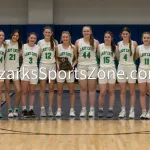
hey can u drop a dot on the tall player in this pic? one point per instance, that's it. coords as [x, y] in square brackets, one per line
[106, 52]
[13, 49]
[126, 51]
[87, 69]
[2, 55]
[143, 52]
[47, 65]
[66, 50]
[29, 73]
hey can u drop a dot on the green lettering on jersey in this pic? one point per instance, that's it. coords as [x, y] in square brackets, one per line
[1, 59]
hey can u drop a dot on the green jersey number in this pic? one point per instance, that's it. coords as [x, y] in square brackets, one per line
[125, 57]
[12, 57]
[1, 59]
[30, 60]
[48, 55]
[147, 62]
[106, 60]
[86, 55]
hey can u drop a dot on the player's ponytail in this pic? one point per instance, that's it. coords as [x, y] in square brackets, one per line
[20, 43]
[130, 47]
[113, 46]
[92, 40]
[52, 40]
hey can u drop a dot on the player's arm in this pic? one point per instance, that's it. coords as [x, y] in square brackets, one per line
[117, 52]
[136, 53]
[75, 57]
[56, 57]
[76, 47]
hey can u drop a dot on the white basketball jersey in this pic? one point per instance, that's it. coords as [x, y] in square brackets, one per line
[47, 53]
[124, 54]
[144, 54]
[30, 55]
[2, 55]
[12, 56]
[87, 54]
[106, 56]
[62, 52]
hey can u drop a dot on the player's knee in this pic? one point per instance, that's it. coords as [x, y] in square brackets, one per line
[42, 90]
[59, 92]
[123, 92]
[51, 90]
[0, 92]
[7, 89]
[111, 93]
[32, 92]
[102, 94]
[83, 89]
[71, 92]
[132, 93]
[143, 93]
[24, 92]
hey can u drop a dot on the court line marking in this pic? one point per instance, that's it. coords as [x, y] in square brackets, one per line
[49, 134]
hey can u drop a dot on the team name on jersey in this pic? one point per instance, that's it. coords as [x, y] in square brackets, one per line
[12, 50]
[124, 50]
[145, 54]
[65, 54]
[106, 53]
[30, 53]
[47, 49]
[2, 53]
[87, 48]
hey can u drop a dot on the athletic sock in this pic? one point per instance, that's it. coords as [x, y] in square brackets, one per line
[123, 109]
[110, 108]
[132, 109]
[24, 107]
[31, 107]
[101, 108]
[84, 108]
[91, 108]
[71, 109]
[59, 109]
[42, 107]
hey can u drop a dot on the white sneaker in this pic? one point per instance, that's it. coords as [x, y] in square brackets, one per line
[91, 113]
[58, 113]
[10, 114]
[83, 113]
[15, 113]
[72, 113]
[122, 114]
[132, 114]
[50, 113]
[143, 116]
[43, 113]
[148, 115]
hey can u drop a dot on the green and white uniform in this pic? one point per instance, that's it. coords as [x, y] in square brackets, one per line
[47, 62]
[107, 71]
[30, 57]
[65, 75]
[126, 66]
[11, 60]
[87, 64]
[144, 67]
[2, 59]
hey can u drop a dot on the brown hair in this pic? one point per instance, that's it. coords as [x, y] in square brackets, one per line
[91, 37]
[4, 44]
[52, 40]
[20, 43]
[130, 42]
[67, 32]
[113, 46]
[145, 33]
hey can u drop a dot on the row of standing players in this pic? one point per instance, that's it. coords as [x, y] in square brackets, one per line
[83, 53]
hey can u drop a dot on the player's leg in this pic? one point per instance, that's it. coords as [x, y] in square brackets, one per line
[148, 113]
[1, 87]
[25, 89]
[17, 97]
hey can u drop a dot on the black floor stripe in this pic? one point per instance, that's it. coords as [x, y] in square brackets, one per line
[49, 134]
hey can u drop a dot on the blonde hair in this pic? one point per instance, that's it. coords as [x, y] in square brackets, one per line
[67, 32]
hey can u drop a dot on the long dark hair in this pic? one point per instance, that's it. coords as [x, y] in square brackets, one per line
[52, 40]
[113, 46]
[91, 36]
[130, 44]
[20, 43]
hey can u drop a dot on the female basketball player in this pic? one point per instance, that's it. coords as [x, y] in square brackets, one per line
[87, 69]
[2, 55]
[107, 72]
[66, 49]
[47, 65]
[30, 54]
[143, 52]
[14, 47]
[126, 51]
